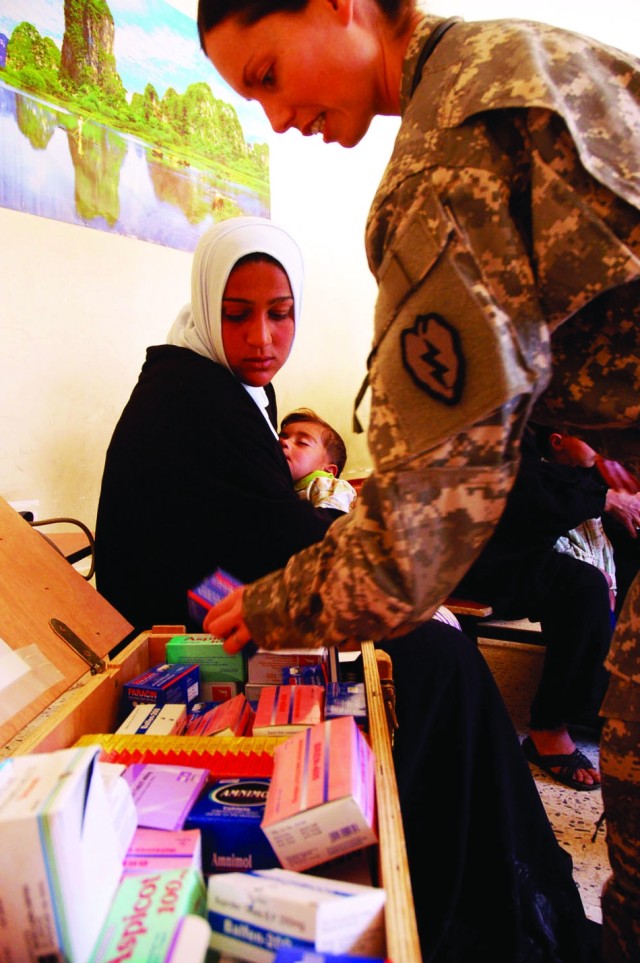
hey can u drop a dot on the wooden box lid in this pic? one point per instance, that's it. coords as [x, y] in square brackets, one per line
[38, 584]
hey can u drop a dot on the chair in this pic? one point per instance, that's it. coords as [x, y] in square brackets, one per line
[73, 545]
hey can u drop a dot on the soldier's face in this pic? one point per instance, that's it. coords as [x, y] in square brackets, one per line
[316, 70]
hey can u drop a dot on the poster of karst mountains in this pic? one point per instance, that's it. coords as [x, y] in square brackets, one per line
[112, 118]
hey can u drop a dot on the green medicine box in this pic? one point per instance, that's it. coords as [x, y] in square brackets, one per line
[206, 650]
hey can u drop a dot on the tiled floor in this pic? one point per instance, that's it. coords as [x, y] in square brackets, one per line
[516, 668]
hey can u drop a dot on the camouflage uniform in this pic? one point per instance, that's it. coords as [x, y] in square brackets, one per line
[505, 239]
[510, 205]
[620, 764]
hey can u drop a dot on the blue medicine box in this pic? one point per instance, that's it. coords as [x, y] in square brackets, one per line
[164, 683]
[228, 816]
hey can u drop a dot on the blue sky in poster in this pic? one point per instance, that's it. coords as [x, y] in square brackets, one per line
[154, 43]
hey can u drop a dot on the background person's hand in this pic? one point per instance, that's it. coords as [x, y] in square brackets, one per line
[225, 621]
[625, 508]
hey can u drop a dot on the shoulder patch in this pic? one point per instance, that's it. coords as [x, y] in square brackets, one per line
[432, 354]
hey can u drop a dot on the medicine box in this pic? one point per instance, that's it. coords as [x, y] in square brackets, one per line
[228, 817]
[346, 699]
[265, 666]
[208, 653]
[321, 802]
[145, 916]
[164, 794]
[231, 718]
[219, 691]
[154, 850]
[251, 915]
[164, 683]
[285, 709]
[154, 720]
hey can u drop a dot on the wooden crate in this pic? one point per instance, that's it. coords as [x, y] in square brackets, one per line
[43, 585]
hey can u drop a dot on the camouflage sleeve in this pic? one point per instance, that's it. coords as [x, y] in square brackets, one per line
[461, 353]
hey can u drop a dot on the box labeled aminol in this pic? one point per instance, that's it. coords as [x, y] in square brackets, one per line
[252, 915]
[284, 709]
[153, 720]
[228, 816]
[146, 914]
[265, 666]
[321, 802]
[164, 683]
[231, 718]
[207, 651]
[346, 699]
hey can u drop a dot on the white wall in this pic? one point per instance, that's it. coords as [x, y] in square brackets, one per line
[79, 306]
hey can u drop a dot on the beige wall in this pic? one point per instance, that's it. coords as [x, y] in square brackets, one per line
[79, 307]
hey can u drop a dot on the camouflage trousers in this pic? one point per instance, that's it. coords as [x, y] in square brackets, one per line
[620, 768]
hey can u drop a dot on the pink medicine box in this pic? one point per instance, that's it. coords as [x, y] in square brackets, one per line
[321, 801]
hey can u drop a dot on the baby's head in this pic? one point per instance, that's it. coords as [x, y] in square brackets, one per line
[563, 448]
[310, 444]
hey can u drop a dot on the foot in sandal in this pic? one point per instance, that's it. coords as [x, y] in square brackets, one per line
[554, 751]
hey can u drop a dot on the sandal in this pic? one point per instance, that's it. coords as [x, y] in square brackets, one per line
[566, 763]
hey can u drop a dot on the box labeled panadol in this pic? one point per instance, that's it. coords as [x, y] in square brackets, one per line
[321, 801]
[164, 683]
[252, 915]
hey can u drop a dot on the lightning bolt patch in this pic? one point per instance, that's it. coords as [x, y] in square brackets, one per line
[432, 354]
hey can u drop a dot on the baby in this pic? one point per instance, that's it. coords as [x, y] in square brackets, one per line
[316, 455]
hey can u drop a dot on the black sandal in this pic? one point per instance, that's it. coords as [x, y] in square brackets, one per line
[566, 763]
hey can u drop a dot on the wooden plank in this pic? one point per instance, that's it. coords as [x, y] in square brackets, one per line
[403, 945]
[39, 584]
[467, 607]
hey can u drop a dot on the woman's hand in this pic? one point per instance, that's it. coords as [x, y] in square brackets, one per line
[225, 621]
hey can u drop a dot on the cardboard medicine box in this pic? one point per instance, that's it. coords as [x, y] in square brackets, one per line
[208, 653]
[321, 802]
[147, 913]
[265, 666]
[228, 816]
[164, 683]
[285, 709]
[252, 914]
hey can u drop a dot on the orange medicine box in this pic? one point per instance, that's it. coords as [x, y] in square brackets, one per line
[286, 709]
[321, 801]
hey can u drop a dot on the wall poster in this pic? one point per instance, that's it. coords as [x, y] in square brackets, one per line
[111, 117]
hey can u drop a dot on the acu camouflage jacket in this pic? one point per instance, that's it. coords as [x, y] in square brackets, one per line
[505, 240]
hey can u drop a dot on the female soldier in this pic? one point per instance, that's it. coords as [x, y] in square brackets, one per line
[505, 239]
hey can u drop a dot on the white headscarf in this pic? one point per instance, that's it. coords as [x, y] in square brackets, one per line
[199, 325]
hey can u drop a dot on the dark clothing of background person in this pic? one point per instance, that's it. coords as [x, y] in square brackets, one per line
[193, 479]
[520, 575]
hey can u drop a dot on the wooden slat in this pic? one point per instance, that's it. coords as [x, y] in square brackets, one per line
[467, 607]
[403, 945]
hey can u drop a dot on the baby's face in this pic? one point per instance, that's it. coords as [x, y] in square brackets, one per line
[303, 448]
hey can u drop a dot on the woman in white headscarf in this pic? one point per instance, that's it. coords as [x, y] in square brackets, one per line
[194, 476]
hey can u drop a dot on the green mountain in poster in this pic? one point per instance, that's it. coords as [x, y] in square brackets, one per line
[193, 127]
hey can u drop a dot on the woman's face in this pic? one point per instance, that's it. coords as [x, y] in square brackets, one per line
[315, 70]
[258, 321]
